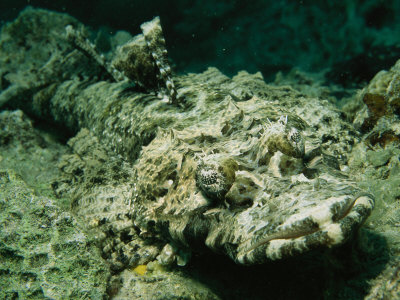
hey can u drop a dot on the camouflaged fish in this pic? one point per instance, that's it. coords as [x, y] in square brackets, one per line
[229, 165]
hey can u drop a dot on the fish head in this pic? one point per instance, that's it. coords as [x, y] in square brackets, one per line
[237, 186]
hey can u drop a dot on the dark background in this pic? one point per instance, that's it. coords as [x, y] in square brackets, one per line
[351, 40]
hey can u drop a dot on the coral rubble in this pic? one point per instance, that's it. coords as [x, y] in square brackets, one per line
[44, 250]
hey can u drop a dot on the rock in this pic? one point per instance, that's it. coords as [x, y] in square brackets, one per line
[44, 251]
[161, 285]
[379, 158]
[386, 285]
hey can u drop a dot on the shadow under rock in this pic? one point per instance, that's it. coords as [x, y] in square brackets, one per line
[340, 273]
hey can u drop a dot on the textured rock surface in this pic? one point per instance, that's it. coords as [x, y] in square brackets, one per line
[161, 285]
[22, 56]
[30, 152]
[376, 161]
[387, 285]
[44, 251]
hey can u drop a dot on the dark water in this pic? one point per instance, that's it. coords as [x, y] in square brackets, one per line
[352, 40]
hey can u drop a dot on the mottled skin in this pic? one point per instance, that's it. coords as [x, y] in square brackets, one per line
[255, 216]
[234, 168]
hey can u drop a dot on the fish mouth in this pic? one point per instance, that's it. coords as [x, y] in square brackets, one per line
[322, 226]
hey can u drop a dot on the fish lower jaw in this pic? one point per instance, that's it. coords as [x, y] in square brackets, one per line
[291, 241]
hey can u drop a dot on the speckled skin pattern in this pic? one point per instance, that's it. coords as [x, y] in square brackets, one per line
[263, 207]
[236, 167]
[276, 194]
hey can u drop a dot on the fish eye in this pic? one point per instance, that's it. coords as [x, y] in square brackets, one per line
[214, 177]
[294, 135]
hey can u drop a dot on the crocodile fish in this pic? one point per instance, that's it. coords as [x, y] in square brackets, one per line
[229, 165]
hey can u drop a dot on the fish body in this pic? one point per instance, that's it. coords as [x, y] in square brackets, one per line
[230, 165]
